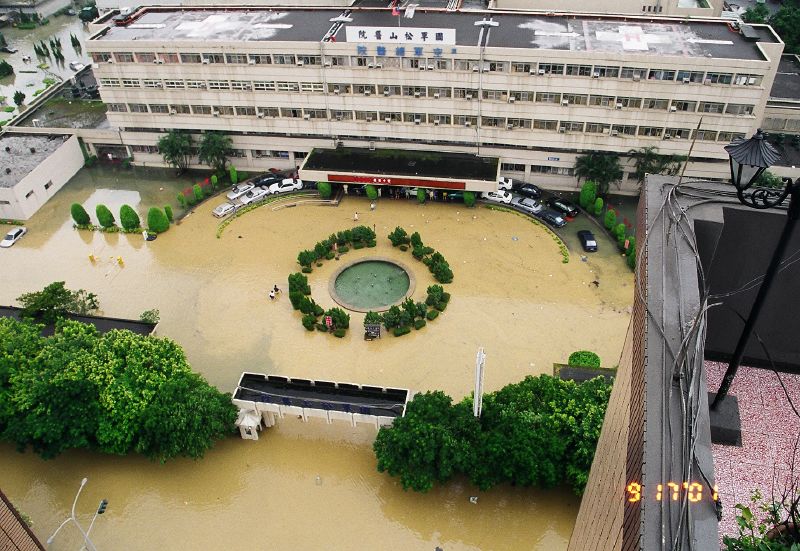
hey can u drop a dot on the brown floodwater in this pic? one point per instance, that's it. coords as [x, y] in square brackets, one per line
[310, 486]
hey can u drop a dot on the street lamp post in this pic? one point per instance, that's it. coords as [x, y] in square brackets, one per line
[749, 159]
[72, 518]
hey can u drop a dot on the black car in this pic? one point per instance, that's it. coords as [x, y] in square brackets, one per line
[529, 190]
[563, 206]
[552, 217]
[353, 189]
[588, 242]
[266, 180]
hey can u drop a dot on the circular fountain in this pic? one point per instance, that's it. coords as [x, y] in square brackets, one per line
[371, 284]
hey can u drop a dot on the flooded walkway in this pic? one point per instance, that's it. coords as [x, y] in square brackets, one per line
[312, 486]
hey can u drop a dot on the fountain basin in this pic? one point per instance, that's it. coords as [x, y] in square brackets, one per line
[373, 283]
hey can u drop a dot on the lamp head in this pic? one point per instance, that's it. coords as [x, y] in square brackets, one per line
[749, 158]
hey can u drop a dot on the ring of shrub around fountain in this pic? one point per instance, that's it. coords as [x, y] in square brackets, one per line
[344, 303]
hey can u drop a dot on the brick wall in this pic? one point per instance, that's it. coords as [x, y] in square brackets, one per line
[14, 533]
[606, 520]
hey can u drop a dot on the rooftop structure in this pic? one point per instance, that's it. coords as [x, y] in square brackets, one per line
[103, 324]
[21, 154]
[787, 80]
[566, 32]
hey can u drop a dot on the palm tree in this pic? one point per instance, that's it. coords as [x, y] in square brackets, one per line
[649, 161]
[601, 168]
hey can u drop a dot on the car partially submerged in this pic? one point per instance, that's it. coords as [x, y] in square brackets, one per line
[255, 194]
[223, 210]
[499, 196]
[567, 208]
[238, 190]
[13, 236]
[588, 242]
[552, 217]
[530, 206]
[287, 184]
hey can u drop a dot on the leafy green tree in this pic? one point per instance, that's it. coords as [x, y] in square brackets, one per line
[214, 150]
[182, 200]
[128, 218]
[234, 175]
[373, 318]
[156, 220]
[372, 192]
[150, 316]
[601, 168]
[588, 194]
[786, 22]
[176, 149]
[168, 212]
[398, 236]
[306, 258]
[620, 232]
[104, 216]
[79, 214]
[421, 195]
[299, 283]
[769, 179]
[19, 97]
[649, 161]
[339, 318]
[324, 189]
[469, 199]
[197, 192]
[204, 415]
[55, 301]
[598, 206]
[583, 358]
[215, 181]
[610, 219]
[430, 444]
[757, 13]
[5, 68]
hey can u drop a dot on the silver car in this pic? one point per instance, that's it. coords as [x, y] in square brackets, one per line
[531, 206]
[223, 210]
[13, 236]
[239, 190]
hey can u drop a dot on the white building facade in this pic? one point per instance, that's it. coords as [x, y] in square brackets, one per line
[535, 91]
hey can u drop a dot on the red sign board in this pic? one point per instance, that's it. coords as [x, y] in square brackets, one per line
[328, 321]
[395, 181]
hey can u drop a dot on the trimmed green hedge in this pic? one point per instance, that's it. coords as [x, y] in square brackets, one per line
[584, 358]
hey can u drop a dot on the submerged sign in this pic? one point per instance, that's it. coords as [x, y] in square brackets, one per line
[401, 35]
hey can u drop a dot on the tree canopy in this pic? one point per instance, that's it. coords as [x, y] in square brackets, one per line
[214, 150]
[649, 161]
[601, 168]
[786, 22]
[55, 301]
[541, 432]
[118, 393]
[176, 148]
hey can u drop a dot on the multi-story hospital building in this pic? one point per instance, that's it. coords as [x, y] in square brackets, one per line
[535, 91]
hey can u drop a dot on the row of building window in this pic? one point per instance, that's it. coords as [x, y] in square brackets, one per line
[437, 64]
[559, 98]
[241, 153]
[510, 123]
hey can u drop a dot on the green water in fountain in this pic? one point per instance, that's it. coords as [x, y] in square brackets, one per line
[372, 284]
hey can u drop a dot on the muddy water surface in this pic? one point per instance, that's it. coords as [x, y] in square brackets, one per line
[311, 486]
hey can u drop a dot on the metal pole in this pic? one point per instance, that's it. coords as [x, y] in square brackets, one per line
[791, 219]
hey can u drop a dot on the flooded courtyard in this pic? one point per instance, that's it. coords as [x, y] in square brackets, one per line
[311, 486]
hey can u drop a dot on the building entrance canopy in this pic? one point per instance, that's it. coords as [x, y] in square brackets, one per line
[393, 167]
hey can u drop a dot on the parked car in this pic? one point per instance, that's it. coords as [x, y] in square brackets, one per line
[265, 180]
[588, 242]
[287, 184]
[13, 236]
[529, 190]
[552, 217]
[505, 183]
[563, 206]
[531, 206]
[223, 210]
[238, 190]
[353, 189]
[499, 196]
[254, 195]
